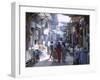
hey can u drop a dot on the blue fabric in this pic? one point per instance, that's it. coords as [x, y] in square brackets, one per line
[83, 58]
[36, 53]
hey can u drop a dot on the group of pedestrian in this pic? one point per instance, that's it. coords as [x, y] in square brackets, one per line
[58, 51]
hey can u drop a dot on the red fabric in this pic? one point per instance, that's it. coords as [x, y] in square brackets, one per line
[55, 54]
[58, 51]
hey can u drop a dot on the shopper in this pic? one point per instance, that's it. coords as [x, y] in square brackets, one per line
[58, 50]
[52, 49]
[64, 52]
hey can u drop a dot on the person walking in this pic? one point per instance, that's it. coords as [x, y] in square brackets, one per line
[58, 50]
[64, 52]
[52, 49]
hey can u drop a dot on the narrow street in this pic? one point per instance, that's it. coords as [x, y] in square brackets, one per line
[56, 39]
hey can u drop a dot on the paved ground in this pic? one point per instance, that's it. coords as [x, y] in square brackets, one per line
[45, 61]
